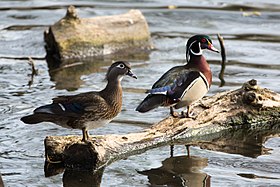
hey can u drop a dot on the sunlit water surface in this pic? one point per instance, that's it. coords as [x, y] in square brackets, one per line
[252, 45]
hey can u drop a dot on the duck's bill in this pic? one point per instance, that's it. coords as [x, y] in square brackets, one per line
[131, 74]
[212, 48]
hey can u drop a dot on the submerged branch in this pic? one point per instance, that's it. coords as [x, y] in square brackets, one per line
[34, 71]
[223, 63]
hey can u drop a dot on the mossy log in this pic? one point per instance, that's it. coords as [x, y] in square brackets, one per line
[73, 37]
[218, 116]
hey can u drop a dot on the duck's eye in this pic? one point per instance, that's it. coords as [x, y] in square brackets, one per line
[121, 66]
[203, 40]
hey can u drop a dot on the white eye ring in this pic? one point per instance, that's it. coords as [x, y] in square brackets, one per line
[121, 66]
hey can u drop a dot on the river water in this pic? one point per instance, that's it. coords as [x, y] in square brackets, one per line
[251, 30]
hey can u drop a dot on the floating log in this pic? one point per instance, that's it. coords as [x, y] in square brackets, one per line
[73, 37]
[250, 107]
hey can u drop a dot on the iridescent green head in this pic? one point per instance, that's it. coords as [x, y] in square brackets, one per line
[197, 43]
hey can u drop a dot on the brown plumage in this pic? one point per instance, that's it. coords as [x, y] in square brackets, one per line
[86, 110]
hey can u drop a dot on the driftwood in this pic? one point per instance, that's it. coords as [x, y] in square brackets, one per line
[218, 117]
[73, 37]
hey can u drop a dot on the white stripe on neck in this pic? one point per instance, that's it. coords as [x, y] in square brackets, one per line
[200, 50]
[189, 50]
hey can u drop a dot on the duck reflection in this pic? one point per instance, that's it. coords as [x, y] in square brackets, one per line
[67, 74]
[179, 171]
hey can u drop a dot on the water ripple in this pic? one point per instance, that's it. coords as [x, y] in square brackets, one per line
[5, 109]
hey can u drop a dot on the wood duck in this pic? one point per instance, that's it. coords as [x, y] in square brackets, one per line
[182, 85]
[86, 110]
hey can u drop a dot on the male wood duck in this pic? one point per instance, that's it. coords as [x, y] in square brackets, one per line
[182, 85]
[86, 110]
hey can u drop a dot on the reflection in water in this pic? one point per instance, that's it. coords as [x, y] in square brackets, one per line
[1, 181]
[179, 171]
[74, 178]
[67, 74]
[253, 176]
[175, 171]
[182, 170]
[34, 71]
[51, 169]
[252, 45]
[246, 142]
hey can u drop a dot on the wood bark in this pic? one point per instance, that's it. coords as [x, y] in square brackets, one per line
[219, 117]
[73, 37]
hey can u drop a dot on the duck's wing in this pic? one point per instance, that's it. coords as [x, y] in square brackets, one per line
[169, 77]
[180, 85]
[75, 106]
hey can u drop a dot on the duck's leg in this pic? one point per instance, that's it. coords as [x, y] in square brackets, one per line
[85, 135]
[188, 113]
[185, 113]
[173, 113]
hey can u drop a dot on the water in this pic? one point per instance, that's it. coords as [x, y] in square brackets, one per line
[252, 44]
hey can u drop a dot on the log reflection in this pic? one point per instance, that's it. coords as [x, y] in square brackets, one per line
[179, 171]
[246, 142]
[67, 74]
[74, 178]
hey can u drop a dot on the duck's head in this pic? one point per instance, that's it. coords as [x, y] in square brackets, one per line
[197, 43]
[119, 69]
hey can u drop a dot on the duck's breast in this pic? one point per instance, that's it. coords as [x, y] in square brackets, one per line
[195, 91]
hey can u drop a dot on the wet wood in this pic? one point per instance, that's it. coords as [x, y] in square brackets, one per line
[248, 107]
[75, 37]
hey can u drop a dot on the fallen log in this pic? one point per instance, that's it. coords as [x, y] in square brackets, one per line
[73, 37]
[246, 108]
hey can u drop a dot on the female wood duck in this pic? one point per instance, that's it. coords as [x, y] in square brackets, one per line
[86, 110]
[183, 85]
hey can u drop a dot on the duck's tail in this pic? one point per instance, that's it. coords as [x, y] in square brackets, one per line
[33, 119]
[43, 117]
[152, 102]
